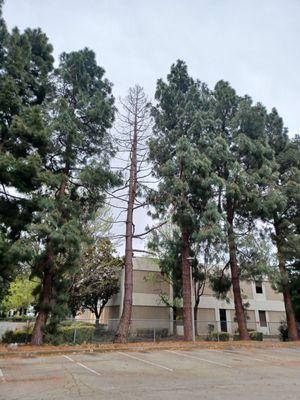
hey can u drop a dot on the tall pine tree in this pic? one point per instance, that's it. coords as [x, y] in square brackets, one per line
[280, 205]
[25, 65]
[178, 155]
[242, 159]
[78, 173]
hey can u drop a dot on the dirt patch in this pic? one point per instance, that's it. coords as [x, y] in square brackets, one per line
[31, 351]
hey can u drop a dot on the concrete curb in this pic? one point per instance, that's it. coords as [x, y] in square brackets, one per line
[145, 347]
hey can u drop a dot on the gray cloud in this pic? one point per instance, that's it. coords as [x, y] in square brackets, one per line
[252, 44]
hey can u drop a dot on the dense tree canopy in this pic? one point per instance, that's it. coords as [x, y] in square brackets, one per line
[26, 62]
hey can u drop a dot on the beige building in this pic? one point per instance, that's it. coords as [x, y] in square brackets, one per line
[265, 311]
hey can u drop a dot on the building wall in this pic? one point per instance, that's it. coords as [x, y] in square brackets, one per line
[271, 294]
[111, 313]
[150, 317]
[206, 317]
[247, 289]
[275, 318]
[149, 282]
[148, 307]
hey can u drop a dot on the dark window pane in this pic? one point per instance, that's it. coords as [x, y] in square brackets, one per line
[259, 288]
[262, 318]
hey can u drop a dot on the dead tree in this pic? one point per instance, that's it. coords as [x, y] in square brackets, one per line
[131, 137]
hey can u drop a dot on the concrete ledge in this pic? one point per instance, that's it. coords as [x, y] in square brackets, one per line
[28, 353]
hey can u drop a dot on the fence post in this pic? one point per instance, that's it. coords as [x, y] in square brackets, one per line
[27, 330]
[154, 334]
[74, 337]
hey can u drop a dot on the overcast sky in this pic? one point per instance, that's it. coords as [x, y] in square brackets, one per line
[252, 44]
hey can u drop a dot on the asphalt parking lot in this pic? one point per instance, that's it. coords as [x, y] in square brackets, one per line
[254, 373]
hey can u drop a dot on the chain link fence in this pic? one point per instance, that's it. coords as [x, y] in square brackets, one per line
[77, 331]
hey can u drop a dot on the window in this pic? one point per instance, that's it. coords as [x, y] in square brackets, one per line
[262, 319]
[258, 287]
[223, 320]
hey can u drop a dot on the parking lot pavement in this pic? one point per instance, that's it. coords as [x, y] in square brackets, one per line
[170, 374]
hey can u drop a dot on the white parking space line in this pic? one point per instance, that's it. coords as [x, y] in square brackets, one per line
[82, 365]
[243, 354]
[69, 358]
[2, 377]
[89, 369]
[145, 361]
[199, 358]
[288, 351]
[268, 356]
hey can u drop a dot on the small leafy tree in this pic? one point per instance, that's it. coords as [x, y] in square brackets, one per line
[97, 279]
[20, 294]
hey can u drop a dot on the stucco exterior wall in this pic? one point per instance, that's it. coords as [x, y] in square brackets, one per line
[149, 282]
[271, 294]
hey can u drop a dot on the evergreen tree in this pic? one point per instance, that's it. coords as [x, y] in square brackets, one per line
[78, 174]
[177, 151]
[205, 258]
[280, 205]
[242, 159]
[25, 65]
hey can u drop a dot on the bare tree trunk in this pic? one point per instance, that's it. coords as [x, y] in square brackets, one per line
[197, 301]
[289, 309]
[238, 302]
[186, 289]
[44, 307]
[124, 324]
[196, 319]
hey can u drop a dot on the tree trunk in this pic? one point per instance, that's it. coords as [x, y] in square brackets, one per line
[186, 289]
[44, 308]
[196, 319]
[238, 302]
[289, 309]
[124, 324]
[196, 306]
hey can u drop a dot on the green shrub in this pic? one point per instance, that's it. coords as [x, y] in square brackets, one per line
[258, 336]
[21, 318]
[103, 336]
[236, 336]
[70, 322]
[219, 337]
[77, 333]
[17, 336]
[283, 332]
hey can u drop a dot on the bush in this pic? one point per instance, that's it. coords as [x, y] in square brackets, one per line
[219, 337]
[20, 318]
[77, 333]
[17, 336]
[258, 336]
[283, 332]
